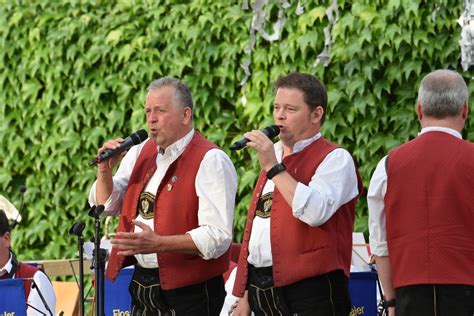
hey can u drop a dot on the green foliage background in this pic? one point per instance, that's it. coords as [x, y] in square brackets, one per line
[74, 73]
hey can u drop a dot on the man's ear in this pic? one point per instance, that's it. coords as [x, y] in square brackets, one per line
[419, 112]
[317, 114]
[7, 240]
[187, 115]
[465, 111]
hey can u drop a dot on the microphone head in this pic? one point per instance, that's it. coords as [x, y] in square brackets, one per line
[96, 210]
[77, 228]
[139, 136]
[271, 131]
[100, 209]
[91, 212]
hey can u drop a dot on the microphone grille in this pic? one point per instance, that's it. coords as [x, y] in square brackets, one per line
[272, 131]
[77, 228]
[139, 136]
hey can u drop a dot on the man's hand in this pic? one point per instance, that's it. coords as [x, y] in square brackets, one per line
[391, 311]
[264, 146]
[144, 242]
[109, 164]
[105, 183]
[241, 307]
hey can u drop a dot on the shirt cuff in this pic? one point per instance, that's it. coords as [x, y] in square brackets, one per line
[378, 248]
[209, 247]
[110, 208]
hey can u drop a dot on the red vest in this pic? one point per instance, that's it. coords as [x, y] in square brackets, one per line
[176, 212]
[300, 251]
[430, 211]
[26, 271]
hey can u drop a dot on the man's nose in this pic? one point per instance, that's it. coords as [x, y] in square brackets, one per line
[151, 117]
[280, 114]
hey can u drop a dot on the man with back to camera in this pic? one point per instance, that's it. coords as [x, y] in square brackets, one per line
[296, 252]
[421, 208]
[11, 268]
[178, 190]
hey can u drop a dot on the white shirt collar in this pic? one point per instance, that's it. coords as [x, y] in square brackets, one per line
[177, 148]
[440, 129]
[298, 146]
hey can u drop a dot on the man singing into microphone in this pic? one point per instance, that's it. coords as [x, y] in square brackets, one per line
[296, 252]
[175, 194]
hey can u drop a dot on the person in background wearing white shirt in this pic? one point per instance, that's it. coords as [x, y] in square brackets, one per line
[10, 268]
[296, 252]
[175, 194]
[421, 208]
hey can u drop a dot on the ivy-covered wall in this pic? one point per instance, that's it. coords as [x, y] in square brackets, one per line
[74, 73]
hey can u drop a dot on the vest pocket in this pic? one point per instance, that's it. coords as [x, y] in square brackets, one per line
[314, 242]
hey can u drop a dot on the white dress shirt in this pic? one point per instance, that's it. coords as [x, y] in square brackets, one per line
[34, 299]
[376, 196]
[216, 185]
[333, 184]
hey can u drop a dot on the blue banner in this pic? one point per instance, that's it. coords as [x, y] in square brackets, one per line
[363, 291]
[117, 299]
[12, 298]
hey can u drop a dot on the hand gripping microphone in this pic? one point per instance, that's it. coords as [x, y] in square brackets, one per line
[134, 139]
[271, 131]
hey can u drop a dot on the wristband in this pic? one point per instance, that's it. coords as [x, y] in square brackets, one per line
[389, 303]
[276, 169]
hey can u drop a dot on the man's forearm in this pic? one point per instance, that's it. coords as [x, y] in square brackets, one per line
[104, 187]
[178, 243]
[385, 276]
[286, 184]
[146, 241]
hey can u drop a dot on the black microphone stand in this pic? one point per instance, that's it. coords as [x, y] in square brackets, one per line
[77, 229]
[98, 263]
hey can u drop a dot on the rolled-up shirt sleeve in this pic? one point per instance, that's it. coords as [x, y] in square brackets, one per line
[375, 201]
[333, 184]
[216, 186]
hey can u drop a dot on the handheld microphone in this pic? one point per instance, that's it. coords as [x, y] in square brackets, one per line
[271, 131]
[134, 139]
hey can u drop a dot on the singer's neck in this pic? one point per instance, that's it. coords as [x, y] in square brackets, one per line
[287, 150]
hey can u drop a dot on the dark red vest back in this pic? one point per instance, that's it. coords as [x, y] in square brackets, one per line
[26, 271]
[430, 211]
[176, 210]
[300, 251]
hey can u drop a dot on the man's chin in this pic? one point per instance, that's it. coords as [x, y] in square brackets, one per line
[156, 139]
[284, 137]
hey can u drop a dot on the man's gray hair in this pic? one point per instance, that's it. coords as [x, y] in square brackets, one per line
[442, 94]
[182, 95]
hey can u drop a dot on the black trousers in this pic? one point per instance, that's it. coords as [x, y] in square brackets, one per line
[439, 300]
[148, 298]
[327, 294]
